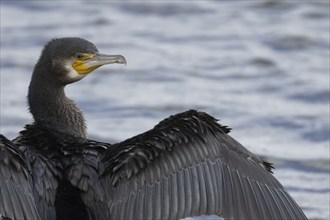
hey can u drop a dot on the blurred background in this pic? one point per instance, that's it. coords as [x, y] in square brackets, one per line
[261, 67]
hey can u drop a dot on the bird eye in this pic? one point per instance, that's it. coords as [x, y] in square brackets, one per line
[79, 56]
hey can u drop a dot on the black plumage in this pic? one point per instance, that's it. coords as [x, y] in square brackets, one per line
[187, 165]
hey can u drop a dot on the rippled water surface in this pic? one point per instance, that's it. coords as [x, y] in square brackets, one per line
[262, 67]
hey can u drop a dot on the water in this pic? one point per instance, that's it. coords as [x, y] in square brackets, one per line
[262, 67]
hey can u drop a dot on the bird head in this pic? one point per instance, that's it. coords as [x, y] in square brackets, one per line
[71, 59]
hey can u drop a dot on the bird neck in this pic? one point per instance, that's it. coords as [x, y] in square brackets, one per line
[52, 109]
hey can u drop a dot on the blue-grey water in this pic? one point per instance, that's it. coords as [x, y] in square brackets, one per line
[262, 67]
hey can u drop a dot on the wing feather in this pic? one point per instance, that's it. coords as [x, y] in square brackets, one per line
[16, 193]
[186, 166]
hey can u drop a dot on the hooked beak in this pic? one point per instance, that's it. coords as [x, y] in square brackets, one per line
[87, 63]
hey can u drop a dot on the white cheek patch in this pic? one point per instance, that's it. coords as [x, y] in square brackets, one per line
[72, 74]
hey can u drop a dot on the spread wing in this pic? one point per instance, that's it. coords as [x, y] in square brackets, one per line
[16, 192]
[39, 147]
[189, 166]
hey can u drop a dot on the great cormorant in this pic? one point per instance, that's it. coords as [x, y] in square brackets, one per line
[187, 165]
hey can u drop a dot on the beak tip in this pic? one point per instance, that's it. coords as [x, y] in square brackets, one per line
[122, 60]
